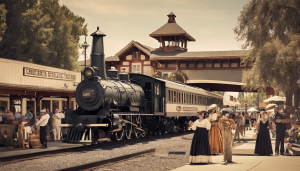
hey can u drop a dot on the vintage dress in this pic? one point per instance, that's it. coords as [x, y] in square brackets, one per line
[215, 138]
[200, 150]
[227, 125]
[263, 144]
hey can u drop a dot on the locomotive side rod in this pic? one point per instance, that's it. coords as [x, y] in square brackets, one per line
[128, 122]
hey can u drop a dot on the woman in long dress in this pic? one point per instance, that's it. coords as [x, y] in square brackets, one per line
[215, 138]
[263, 141]
[200, 150]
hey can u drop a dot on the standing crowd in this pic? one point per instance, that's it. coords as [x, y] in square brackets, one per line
[213, 133]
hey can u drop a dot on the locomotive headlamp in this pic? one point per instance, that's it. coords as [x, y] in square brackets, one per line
[89, 72]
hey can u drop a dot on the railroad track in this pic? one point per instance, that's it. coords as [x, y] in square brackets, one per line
[106, 161]
[90, 147]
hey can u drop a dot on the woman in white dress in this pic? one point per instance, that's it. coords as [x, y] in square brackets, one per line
[200, 149]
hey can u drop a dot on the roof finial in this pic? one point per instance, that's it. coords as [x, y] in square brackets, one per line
[171, 18]
[97, 28]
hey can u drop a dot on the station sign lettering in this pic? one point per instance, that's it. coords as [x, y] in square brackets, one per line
[48, 74]
[190, 108]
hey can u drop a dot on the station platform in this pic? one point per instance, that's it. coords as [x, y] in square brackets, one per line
[245, 159]
[52, 147]
[245, 163]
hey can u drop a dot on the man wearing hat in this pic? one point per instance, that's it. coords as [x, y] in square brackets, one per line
[280, 131]
[55, 122]
[43, 123]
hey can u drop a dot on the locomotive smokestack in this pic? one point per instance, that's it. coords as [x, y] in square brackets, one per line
[97, 56]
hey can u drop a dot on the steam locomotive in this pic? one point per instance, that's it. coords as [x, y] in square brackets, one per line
[119, 105]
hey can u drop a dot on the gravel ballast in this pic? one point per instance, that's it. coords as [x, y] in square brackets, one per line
[59, 161]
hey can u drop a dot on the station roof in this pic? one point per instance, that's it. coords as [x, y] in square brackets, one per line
[171, 29]
[178, 55]
[161, 55]
[144, 48]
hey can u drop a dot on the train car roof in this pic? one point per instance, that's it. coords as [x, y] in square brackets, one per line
[214, 94]
[181, 86]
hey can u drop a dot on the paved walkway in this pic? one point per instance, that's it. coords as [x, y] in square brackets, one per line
[245, 160]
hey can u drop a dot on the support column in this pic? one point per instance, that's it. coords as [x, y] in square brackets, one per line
[23, 106]
[38, 103]
[69, 99]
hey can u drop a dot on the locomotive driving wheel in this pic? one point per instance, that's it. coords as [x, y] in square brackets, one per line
[138, 122]
[119, 135]
[129, 128]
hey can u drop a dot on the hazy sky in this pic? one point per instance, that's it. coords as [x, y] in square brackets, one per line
[210, 22]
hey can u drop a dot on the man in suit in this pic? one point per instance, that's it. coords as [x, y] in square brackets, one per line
[280, 130]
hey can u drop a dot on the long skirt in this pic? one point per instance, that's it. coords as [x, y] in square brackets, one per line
[216, 140]
[200, 150]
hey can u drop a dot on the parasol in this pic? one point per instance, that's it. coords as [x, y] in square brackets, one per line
[276, 99]
[252, 109]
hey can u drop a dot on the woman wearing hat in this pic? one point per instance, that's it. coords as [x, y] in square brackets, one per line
[263, 144]
[215, 138]
[200, 150]
[227, 125]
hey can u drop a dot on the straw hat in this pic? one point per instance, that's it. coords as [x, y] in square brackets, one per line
[213, 106]
[200, 111]
[43, 111]
[262, 111]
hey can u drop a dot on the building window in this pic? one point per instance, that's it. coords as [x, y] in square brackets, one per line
[136, 68]
[136, 55]
[3, 105]
[55, 105]
[175, 97]
[157, 89]
[46, 104]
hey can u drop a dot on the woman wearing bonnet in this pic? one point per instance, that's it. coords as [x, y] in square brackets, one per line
[200, 150]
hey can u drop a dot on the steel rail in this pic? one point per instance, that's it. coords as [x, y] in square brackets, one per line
[106, 161]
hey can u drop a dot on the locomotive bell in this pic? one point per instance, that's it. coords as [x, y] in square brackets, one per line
[97, 56]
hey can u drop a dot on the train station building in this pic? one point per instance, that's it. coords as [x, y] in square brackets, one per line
[210, 70]
[26, 85]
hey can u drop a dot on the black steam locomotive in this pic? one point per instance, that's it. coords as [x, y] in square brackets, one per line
[118, 105]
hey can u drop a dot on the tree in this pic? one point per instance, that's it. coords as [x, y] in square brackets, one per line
[2, 20]
[241, 97]
[50, 36]
[11, 46]
[176, 76]
[271, 29]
